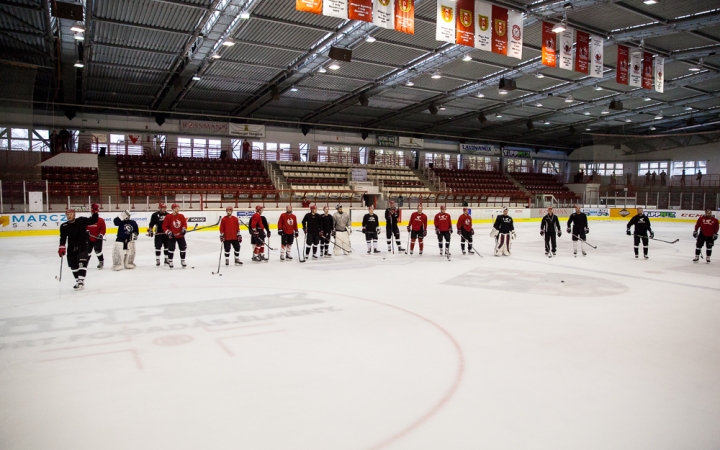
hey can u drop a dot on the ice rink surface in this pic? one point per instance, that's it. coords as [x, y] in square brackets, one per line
[361, 352]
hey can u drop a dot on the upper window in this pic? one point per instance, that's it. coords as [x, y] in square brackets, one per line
[689, 167]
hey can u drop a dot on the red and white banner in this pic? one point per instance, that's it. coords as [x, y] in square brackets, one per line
[465, 23]
[565, 60]
[483, 25]
[499, 30]
[622, 73]
[335, 8]
[360, 10]
[582, 52]
[445, 27]
[383, 14]
[597, 56]
[635, 68]
[659, 74]
[549, 55]
[405, 16]
[311, 6]
[647, 71]
[515, 38]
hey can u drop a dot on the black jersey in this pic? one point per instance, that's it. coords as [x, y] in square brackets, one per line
[392, 216]
[550, 224]
[156, 221]
[311, 223]
[504, 224]
[642, 224]
[370, 221]
[327, 223]
[578, 221]
[75, 232]
[127, 230]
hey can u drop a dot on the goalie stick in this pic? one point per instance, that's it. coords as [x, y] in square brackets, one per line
[301, 257]
[334, 242]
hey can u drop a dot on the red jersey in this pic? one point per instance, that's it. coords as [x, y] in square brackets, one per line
[418, 221]
[443, 222]
[96, 229]
[229, 228]
[708, 225]
[464, 222]
[175, 223]
[257, 222]
[287, 223]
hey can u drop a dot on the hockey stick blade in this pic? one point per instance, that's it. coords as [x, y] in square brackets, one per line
[585, 242]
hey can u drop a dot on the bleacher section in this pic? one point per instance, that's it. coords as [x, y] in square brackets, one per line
[141, 175]
[543, 183]
[477, 181]
[64, 181]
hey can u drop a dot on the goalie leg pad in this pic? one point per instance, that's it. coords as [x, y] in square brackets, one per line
[130, 256]
[118, 256]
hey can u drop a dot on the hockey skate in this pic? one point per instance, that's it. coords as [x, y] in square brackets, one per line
[368, 252]
[646, 257]
[255, 258]
[288, 257]
[575, 254]
[79, 285]
[583, 253]
[400, 249]
[707, 260]
[389, 249]
[227, 261]
[464, 252]
[696, 258]
[282, 257]
[238, 262]
[314, 256]
[169, 263]
[327, 255]
[420, 252]
[376, 251]
[471, 251]
[101, 264]
[182, 263]
[157, 263]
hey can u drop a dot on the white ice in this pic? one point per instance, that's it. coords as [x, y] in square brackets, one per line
[365, 351]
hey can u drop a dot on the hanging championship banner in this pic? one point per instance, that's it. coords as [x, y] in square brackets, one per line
[335, 8]
[623, 62]
[659, 74]
[596, 53]
[383, 14]
[549, 56]
[445, 26]
[311, 6]
[582, 52]
[464, 26]
[483, 28]
[360, 10]
[515, 38]
[565, 60]
[647, 71]
[408, 142]
[247, 130]
[635, 68]
[405, 16]
[499, 30]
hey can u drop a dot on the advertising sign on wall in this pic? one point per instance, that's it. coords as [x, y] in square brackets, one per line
[480, 149]
[247, 130]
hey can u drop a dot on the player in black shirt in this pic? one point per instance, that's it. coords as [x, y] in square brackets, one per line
[311, 228]
[642, 231]
[503, 231]
[327, 227]
[74, 234]
[371, 229]
[550, 227]
[577, 226]
[392, 216]
[155, 228]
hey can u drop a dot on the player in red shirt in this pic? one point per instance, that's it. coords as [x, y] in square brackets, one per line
[707, 235]
[230, 236]
[465, 230]
[417, 227]
[258, 228]
[288, 230]
[96, 236]
[175, 226]
[443, 229]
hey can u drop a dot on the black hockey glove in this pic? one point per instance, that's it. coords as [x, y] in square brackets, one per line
[333, 233]
[715, 236]
[459, 233]
[695, 234]
[408, 228]
[296, 234]
[134, 237]
[169, 233]
[568, 230]
[150, 233]
[628, 232]
[652, 235]
[559, 233]
[222, 238]
[280, 232]
[268, 233]
[587, 230]
[364, 230]
[542, 232]
[183, 231]
[472, 231]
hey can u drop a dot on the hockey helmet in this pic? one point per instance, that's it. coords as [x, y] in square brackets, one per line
[338, 206]
[259, 208]
[313, 208]
[174, 205]
[442, 207]
[229, 208]
[70, 210]
[162, 206]
[465, 209]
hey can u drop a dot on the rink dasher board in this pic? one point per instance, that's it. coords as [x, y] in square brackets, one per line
[44, 224]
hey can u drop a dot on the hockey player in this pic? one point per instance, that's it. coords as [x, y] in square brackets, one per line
[74, 233]
[127, 234]
[175, 226]
[259, 228]
[443, 230]
[707, 235]
[392, 216]
[503, 231]
[230, 236]
[417, 227]
[465, 230]
[341, 231]
[577, 226]
[288, 230]
[326, 230]
[312, 229]
[96, 236]
[371, 229]
[550, 227]
[642, 230]
[155, 229]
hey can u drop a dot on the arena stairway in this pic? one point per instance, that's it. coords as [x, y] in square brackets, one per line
[108, 177]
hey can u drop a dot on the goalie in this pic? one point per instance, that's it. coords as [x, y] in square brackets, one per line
[127, 234]
[503, 231]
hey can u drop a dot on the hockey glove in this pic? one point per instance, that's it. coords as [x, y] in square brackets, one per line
[472, 231]
[542, 232]
[222, 238]
[94, 208]
[715, 236]
[239, 238]
[513, 235]
[424, 233]
[333, 233]
[101, 237]
[322, 234]
[296, 234]
[695, 234]
[377, 231]
[268, 233]
[408, 228]
[559, 233]
[652, 235]
[61, 251]
[587, 230]
[183, 231]
[169, 233]
[568, 230]
[628, 232]
[134, 236]
[280, 232]
[459, 233]
[150, 233]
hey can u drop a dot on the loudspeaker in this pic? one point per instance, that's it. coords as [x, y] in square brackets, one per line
[691, 121]
[572, 129]
[340, 54]
[507, 84]
[364, 134]
[363, 100]
[530, 125]
[305, 129]
[274, 94]
[160, 119]
[616, 105]
[70, 112]
[482, 118]
[433, 109]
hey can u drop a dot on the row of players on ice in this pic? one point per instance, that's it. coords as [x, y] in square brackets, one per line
[80, 236]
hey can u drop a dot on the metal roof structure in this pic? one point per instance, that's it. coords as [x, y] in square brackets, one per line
[172, 56]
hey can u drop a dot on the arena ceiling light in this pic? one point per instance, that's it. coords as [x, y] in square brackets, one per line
[605, 111]
[293, 88]
[79, 36]
[659, 116]
[480, 95]
[628, 120]
[334, 66]
[652, 128]
[598, 88]
[79, 64]
[698, 67]
[498, 115]
[78, 27]
[409, 83]
[688, 108]
[245, 15]
[322, 69]
[562, 26]
[216, 55]
[647, 99]
[467, 58]
[650, 2]
[436, 75]
[538, 104]
[586, 113]
[547, 122]
[229, 42]
[196, 78]
[569, 99]
[370, 39]
[539, 75]
[442, 108]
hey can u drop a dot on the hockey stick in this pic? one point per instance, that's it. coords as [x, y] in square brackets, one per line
[61, 264]
[334, 242]
[659, 240]
[269, 248]
[301, 258]
[584, 241]
[196, 228]
[96, 237]
[258, 237]
[407, 247]
[222, 244]
[392, 235]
